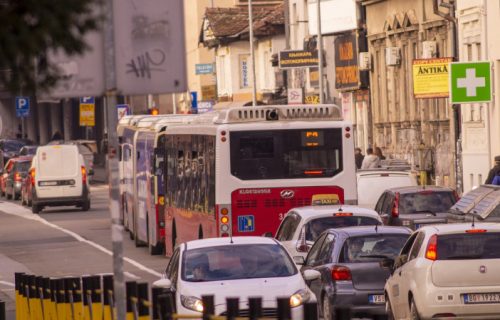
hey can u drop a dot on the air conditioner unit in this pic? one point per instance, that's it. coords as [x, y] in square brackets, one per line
[429, 49]
[365, 61]
[392, 56]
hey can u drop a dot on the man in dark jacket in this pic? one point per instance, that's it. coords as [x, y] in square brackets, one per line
[358, 157]
[493, 171]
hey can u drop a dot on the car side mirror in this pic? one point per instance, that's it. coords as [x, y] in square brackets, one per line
[268, 234]
[400, 260]
[163, 284]
[310, 275]
[299, 260]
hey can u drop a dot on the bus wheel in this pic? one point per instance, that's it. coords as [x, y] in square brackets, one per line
[200, 233]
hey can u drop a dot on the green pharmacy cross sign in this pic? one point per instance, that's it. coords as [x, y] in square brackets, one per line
[470, 82]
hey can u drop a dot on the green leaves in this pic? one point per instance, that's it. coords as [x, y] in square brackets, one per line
[29, 28]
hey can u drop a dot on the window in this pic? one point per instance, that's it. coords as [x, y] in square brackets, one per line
[286, 154]
[315, 228]
[288, 227]
[467, 246]
[325, 253]
[372, 248]
[426, 202]
[416, 247]
[23, 166]
[171, 265]
[378, 206]
[314, 252]
[388, 203]
[408, 245]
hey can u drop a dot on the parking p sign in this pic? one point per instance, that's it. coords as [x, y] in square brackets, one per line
[470, 82]
[22, 107]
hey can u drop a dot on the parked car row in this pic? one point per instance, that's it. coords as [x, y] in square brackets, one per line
[54, 175]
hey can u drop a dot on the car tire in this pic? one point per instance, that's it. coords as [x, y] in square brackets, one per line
[413, 310]
[86, 205]
[155, 250]
[35, 208]
[327, 310]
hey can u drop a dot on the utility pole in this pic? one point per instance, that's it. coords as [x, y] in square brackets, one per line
[320, 52]
[114, 193]
[254, 80]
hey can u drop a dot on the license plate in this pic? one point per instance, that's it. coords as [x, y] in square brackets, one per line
[471, 298]
[376, 298]
[48, 183]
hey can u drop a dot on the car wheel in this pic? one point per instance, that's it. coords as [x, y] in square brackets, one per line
[35, 208]
[86, 205]
[388, 308]
[327, 310]
[155, 249]
[413, 311]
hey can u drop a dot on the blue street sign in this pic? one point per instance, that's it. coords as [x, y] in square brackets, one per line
[22, 107]
[246, 223]
[87, 100]
[194, 101]
[204, 68]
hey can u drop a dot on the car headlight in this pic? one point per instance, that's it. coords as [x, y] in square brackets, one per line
[299, 298]
[192, 303]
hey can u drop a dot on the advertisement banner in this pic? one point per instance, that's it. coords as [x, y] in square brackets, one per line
[87, 115]
[347, 75]
[298, 59]
[209, 92]
[337, 16]
[431, 78]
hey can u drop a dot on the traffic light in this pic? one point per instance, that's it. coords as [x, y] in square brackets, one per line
[154, 111]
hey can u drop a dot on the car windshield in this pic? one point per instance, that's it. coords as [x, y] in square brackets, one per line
[233, 262]
[12, 145]
[426, 202]
[23, 166]
[315, 227]
[372, 248]
[28, 151]
[464, 246]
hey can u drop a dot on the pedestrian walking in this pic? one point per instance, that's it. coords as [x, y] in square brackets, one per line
[495, 171]
[378, 153]
[358, 157]
[371, 160]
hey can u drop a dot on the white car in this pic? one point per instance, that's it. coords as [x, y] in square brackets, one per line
[302, 226]
[239, 267]
[447, 271]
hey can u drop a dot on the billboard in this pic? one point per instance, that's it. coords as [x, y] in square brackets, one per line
[336, 16]
[150, 55]
[82, 75]
[347, 74]
[431, 78]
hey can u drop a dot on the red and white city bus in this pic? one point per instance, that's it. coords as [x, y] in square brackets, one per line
[238, 171]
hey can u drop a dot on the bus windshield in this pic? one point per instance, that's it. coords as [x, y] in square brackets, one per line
[286, 154]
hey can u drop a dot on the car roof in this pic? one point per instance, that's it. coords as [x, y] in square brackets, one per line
[368, 230]
[413, 189]
[214, 242]
[319, 211]
[460, 227]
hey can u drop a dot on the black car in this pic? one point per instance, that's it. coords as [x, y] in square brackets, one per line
[352, 262]
[467, 204]
[415, 206]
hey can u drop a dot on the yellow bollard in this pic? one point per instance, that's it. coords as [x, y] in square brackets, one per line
[87, 297]
[131, 294]
[39, 296]
[96, 297]
[32, 299]
[17, 282]
[53, 299]
[77, 299]
[46, 294]
[26, 295]
[108, 302]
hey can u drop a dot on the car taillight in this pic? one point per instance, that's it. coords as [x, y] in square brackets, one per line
[301, 242]
[17, 177]
[84, 175]
[395, 208]
[455, 194]
[431, 252]
[341, 273]
[32, 175]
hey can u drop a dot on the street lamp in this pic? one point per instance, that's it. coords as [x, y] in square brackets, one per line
[320, 51]
[254, 80]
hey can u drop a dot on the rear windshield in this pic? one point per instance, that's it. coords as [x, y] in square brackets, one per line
[372, 248]
[468, 246]
[13, 146]
[315, 227]
[426, 202]
[286, 154]
[23, 166]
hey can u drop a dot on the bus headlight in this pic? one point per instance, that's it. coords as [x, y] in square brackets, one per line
[299, 298]
[192, 303]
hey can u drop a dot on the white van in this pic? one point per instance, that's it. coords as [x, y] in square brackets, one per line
[373, 182]
[60, 178]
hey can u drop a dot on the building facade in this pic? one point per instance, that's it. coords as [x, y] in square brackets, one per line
[419, 130]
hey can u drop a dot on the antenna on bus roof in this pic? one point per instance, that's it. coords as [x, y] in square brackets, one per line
[231, 237]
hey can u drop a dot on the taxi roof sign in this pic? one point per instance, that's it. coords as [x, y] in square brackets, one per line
[325, 199]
